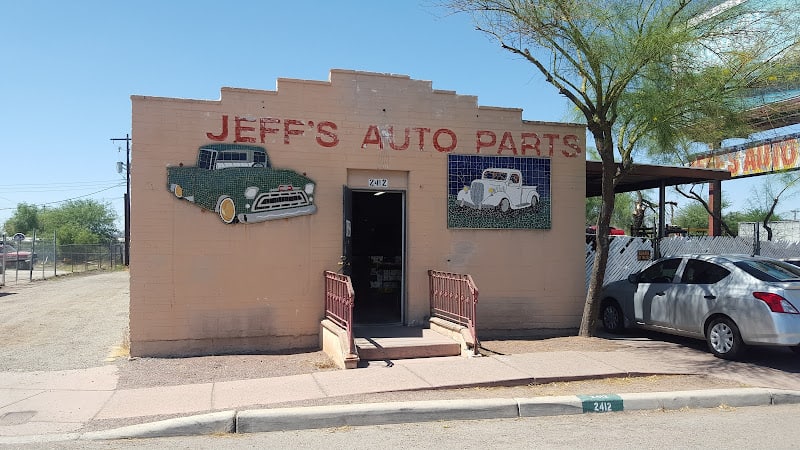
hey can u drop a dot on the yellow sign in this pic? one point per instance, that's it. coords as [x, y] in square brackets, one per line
[756, 158]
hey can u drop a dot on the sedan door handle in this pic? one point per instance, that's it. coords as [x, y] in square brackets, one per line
[709, 297]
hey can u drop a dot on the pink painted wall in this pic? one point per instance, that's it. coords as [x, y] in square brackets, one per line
[199, 286]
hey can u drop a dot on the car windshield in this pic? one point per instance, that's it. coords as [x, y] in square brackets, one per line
[766, 270]
[492, 175]
[7, 248]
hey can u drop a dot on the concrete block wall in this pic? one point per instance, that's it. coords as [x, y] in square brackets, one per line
[199, 286]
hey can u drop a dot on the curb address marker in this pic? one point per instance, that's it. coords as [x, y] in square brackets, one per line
[601, 403]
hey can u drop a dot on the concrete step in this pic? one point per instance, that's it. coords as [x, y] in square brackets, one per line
[380, 343]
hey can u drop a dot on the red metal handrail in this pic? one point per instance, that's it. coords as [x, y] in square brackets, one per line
[454, 297]
[339, 301]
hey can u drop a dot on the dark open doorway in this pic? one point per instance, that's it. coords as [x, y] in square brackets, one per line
[376, 261]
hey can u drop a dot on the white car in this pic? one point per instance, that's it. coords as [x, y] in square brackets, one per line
[731, 301]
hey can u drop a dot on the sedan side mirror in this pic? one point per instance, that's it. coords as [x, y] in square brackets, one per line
[633, 278]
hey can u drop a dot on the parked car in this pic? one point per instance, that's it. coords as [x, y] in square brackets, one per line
[20, 259]
[612, 231]
[731, 301]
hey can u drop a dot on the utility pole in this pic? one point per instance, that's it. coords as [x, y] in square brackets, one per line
[127, 140]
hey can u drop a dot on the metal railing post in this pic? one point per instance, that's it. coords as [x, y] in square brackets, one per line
[339, 302]
[454, 297]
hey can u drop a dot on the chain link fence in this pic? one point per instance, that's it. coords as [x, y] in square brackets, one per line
[32, 259]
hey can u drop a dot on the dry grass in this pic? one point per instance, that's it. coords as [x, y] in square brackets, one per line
[325, 365]
[123, 350]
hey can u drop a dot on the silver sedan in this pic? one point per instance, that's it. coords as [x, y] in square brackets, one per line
[731, 301]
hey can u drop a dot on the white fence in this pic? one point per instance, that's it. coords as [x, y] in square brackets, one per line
[624, 251]
[783, 230]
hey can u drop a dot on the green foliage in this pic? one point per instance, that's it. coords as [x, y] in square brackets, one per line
[622, 217]
[640, 72]
[24, 220]
[692, 216]
[750, 215]
[74, 222]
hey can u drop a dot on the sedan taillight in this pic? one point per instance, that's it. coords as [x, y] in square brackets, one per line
[776, 303]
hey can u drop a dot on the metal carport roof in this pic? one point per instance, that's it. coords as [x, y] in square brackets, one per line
[646, 176]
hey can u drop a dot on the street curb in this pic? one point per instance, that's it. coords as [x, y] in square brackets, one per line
[212, 423]
[701, 399]
[264, 420]
[315, 417]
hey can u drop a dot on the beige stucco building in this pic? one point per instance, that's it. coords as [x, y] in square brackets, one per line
[238, 205]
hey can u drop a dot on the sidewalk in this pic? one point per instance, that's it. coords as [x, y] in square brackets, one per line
[61, 405]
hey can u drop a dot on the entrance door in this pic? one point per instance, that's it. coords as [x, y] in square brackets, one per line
[375, 257]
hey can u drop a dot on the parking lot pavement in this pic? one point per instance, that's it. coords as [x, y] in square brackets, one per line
[773, 367]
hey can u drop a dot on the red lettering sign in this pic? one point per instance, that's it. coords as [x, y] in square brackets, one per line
[571, 141]
[444, 140]
[288, 131]
[551, 139]
[749, 165]
[482, 143]
[406, 140]
[422, 132]
[240, 129]
[373, 136]
[527, 145]
[265, 129]
[223, 134]
[507, 143]
[438, 146]
[325, 134]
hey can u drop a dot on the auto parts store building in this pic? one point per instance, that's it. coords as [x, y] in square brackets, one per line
[239, 205]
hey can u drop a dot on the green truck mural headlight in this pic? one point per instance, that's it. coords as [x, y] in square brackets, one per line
[240, 185]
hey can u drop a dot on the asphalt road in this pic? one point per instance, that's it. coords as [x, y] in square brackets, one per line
[772, 427]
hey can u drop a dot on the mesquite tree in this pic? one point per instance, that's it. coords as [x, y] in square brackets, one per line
[640, 71]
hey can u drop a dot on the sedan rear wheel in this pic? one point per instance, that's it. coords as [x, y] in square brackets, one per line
[611, 314]
[724, 339]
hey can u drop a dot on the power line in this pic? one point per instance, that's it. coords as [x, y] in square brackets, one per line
[51, 187]
[64, 183]
[75, 198]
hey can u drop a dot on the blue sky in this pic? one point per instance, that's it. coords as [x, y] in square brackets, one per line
[70, 68]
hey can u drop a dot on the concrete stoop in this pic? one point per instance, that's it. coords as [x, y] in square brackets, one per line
[382, 343]
[379, 343]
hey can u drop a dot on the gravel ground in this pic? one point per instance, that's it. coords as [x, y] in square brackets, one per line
[69, 322]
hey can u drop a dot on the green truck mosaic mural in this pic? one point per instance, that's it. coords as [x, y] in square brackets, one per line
[239, 184]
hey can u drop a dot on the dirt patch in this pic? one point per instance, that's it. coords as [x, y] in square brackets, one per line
[152, 372]
[558, 344]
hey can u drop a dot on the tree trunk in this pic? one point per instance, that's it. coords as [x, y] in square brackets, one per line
[604, 143]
